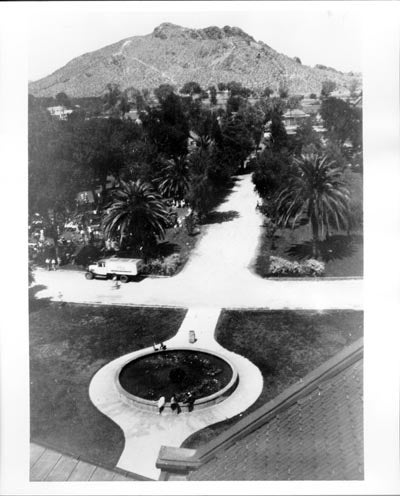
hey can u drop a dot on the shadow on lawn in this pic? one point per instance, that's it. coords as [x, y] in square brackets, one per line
[219, 217]
[333, 248]
[36, 303]
[166, 248]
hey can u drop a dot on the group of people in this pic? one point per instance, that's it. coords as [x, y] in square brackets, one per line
[162, 347]
[51, 263]
[174, 403]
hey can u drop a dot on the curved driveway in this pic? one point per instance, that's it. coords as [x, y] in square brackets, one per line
[218, 273]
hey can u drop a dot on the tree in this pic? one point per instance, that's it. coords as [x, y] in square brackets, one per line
[201, 189]
[115, 101]
[62, 99]
[236, 142]
[270, 173]
[163, 91]
[54, 179]
[306, 137]
[237, 89]
[327, 87]
[296, 59]
[191, 88]
[137, 215]
[353, 87]
[317, 190]
[167, 127]
[222, 86]
[283, 90]
[279, 136]
[174, 179]
[99, 146]
[267, 92]
[213, 95]
[342, 121]
[293, 102]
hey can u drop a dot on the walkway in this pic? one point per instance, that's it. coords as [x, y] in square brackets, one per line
[145, 432]
[217, 274]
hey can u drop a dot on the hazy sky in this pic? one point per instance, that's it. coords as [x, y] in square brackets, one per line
[330, 35]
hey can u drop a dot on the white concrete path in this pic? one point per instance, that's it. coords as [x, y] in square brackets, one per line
[146, 432]
[217, 275]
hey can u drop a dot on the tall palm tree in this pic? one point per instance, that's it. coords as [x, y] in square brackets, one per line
[317, 190]
[136, 213]
[174, 179]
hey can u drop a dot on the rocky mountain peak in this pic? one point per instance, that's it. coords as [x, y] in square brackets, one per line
[167, 30]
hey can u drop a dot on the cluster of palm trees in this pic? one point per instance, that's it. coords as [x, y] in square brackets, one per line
[137, 214]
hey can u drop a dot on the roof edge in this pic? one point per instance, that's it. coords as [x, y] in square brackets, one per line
[179, 460]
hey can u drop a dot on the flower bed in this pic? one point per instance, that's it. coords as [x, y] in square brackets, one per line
[281, 267]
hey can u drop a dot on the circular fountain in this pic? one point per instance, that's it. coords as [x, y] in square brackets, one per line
[208, 376]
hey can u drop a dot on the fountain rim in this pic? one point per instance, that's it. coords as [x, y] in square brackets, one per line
[200, 402]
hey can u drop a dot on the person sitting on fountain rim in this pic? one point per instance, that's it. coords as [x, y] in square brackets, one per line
[155, 347]
[162, 346]
[175, 405]
[161, 404]
[189, 401]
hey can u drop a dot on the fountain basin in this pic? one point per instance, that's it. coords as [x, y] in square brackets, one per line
[209, 376]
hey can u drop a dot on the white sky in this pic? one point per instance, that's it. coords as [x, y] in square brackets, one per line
[328, 33]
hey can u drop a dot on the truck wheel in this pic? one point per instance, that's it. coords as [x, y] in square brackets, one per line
[89, 275]
[124, 279]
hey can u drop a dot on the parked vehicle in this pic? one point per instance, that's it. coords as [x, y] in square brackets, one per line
[122, 268]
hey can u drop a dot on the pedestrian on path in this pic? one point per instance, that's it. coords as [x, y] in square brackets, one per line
[161, 405]
[116, 284]
[48, 262]
[53, 264]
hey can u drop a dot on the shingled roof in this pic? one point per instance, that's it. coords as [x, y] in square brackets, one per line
[312, 431]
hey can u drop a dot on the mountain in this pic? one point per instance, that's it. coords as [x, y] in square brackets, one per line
[175, 55]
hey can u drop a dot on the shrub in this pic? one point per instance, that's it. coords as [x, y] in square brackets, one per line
[281, 267]
[167, 266]
[171, 264]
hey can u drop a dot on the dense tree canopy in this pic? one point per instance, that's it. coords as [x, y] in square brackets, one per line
[191, 88]
[342, 121]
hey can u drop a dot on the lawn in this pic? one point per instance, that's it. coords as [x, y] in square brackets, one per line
[68, 344]
[285, 345]
[342, 254]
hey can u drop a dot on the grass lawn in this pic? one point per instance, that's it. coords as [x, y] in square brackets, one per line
[69, 343]
[285, 344]
[342, 254]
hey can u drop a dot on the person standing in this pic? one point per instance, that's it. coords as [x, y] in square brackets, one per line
[190, 401]
[161, 405]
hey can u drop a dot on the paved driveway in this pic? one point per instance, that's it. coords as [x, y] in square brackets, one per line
[218, 273]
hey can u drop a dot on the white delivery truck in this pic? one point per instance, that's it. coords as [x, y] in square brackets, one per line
[123, 268]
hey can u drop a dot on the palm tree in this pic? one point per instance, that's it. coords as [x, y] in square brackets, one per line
[203, 141]
[136, 213]
[317, 190]
[174, 179]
